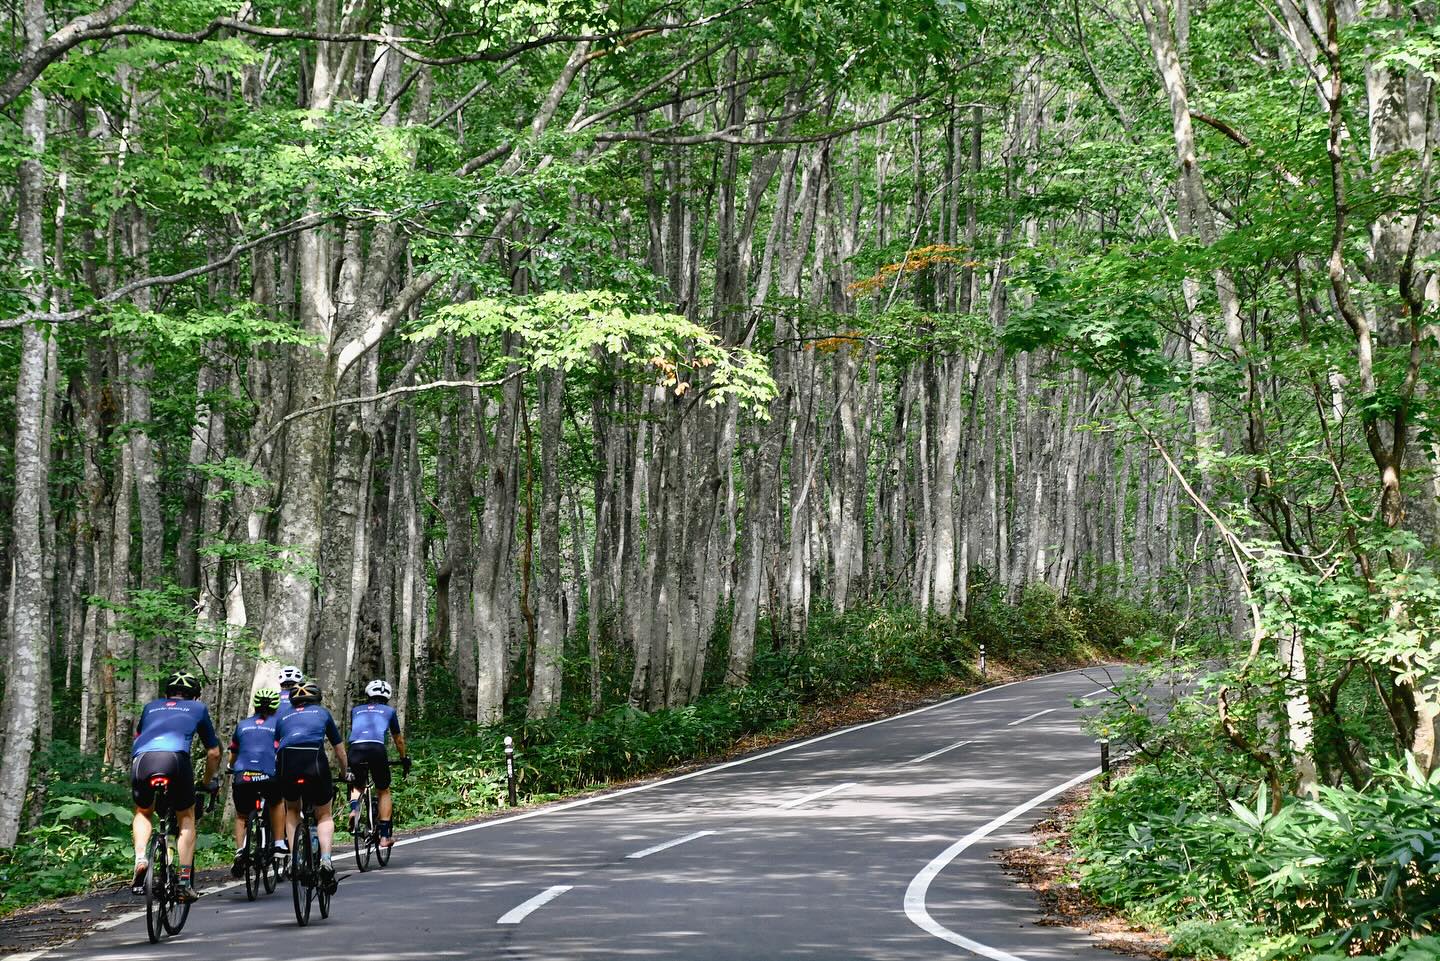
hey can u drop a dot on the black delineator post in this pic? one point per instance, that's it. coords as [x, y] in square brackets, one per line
[1105, 763]
[510, 770]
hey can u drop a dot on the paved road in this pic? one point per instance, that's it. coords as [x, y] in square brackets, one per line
[844, 846]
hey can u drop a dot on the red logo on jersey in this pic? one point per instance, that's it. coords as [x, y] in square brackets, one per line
[169, 703]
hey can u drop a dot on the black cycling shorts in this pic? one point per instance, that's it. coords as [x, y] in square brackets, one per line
[305, 775]
[246, 793]
[175, 765]
[369, 757]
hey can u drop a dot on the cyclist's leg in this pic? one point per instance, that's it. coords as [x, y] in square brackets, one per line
[140, 826]
[325, 829]
[185, 819]
[387, 804]
[321, 791]
[279, 832]
[180, 796]
[360, 768]
[380, 771]
[140, 832]
[243, 795]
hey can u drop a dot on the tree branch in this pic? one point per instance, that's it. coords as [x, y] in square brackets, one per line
[119, 293]
[285, 421]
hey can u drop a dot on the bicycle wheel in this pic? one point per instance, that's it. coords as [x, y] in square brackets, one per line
[270, 865]
[382, 853]
[319, 892]
[178, 910]
[254, 867]
[361, 834]
[157, 886]
[302, 877]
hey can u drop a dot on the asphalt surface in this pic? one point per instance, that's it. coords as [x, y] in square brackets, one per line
[818, 850]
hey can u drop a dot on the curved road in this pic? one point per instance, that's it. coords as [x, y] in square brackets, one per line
[849, 845]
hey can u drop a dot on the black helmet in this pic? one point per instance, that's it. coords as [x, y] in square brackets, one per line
[182, 684]
[307, 692]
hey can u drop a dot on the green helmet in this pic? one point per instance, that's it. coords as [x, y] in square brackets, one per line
[182, 684]
[266, 699]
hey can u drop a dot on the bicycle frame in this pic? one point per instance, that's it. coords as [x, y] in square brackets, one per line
[305, 871]
[165, 913]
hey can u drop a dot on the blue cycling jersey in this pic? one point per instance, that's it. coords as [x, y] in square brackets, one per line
[170, 723]
[254, 745]
[285, 706]
[309, 725]
[370, 723]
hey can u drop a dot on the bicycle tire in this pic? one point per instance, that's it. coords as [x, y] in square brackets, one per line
[271, 871]
[361, 834]
[382, 853]
[254, 867]
[179, 911]
[302, 881]
[156, 888]
[317, 890]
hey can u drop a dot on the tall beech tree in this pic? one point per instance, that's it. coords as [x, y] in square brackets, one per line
[543, 358]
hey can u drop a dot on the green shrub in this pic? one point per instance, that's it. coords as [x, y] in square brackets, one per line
[1352, 871]
[1208, 940]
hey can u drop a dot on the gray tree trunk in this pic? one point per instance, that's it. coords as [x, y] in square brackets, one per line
[29, 615]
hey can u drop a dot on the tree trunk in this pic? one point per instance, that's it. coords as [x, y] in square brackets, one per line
[29, 616]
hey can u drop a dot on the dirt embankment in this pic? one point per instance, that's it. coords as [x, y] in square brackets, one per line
[1048, 867]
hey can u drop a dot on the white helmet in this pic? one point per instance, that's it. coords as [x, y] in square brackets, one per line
[378, 688]
[290, 674]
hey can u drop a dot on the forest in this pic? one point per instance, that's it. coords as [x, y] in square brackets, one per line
[625, 375]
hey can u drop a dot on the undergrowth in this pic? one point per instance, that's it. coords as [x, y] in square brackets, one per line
[1188, 842]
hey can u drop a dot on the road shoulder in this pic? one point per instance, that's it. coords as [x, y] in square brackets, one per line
[1047, 864]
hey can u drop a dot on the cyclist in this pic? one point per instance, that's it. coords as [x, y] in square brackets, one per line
[370, 724]
[163, 735]
[252, 760]
[300, 737]
[290, 676]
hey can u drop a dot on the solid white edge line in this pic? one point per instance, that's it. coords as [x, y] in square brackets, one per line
[943, 750]
[611, 795]
[521, 911]
[915, 908]
[668, 845]
[813, 797]
[1031, 717]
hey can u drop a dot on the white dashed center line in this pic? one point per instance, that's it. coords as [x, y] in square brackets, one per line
[811, 797]
[667, 845]
[1031, 717]
[943, 750]
[517, 914]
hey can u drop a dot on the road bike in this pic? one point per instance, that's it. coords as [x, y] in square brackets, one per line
[305, 885]
[262, 869]
[366, 829]
[165, 911]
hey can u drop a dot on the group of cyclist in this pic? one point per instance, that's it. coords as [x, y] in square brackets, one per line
[276, 754]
